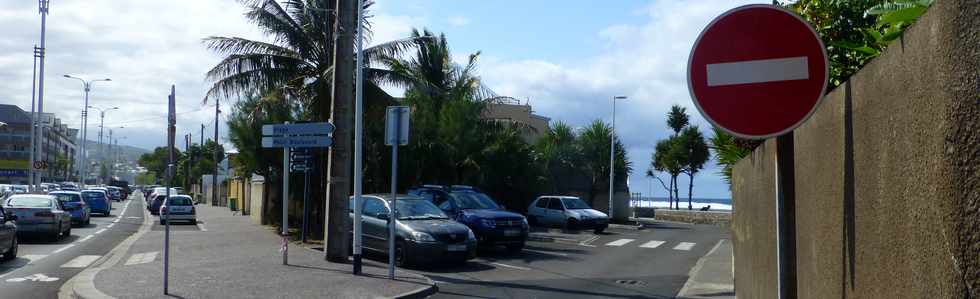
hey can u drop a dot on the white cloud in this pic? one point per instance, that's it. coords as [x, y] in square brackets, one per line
[458, 21]
[646, 62]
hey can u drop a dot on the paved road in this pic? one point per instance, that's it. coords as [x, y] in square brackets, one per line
[624, 263]
[42, 266]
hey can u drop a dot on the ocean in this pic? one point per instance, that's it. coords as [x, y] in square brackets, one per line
[724, 204]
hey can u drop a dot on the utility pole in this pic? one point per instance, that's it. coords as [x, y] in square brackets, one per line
[201, 152]
[214, 178]
[32, 171]
[339, 161]
[190, 161]
[39, 52]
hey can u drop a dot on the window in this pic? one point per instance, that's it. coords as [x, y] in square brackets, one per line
[555, 205]
[30, 202]
[373, 207]
[575, 204]
[542, 203]
[446, 205]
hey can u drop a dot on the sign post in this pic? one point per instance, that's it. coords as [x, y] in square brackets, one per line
[289, 136]
[759, 71]
[396, 134]
[171, 132]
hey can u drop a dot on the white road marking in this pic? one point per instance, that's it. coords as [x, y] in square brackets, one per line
[142, 258]
[757, 71]
[81, 261]
[34, 277]
[684, 246]
[63, 248]
[110, 225]
[619, 242]
[200, 226]
[132, 217]
[588, 241]
[510, 266]
[545, 252]
[652, 244]
[114, 221]
[85, 238]
[33, 257]
[100, 231]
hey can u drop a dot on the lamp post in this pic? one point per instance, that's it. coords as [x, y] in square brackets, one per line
[102, 112]
[612, 154]
[83, 168]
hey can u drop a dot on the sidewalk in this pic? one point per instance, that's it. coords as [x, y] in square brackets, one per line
[712, 276]
[228, 256]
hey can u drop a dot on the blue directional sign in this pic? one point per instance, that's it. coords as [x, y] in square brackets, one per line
[322, 128]
[297, 141]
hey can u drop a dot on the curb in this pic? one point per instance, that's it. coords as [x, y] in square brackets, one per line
[423, 292]
[683, 293]
[83, 284]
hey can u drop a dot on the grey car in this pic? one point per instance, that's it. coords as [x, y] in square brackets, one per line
[566, 211]
[8, 236]
[423, 234]
[39, 214]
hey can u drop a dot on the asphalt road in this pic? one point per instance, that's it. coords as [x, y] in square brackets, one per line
[42, 266]
[653, 262]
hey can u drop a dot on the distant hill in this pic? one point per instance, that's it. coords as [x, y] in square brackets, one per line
[128, 153]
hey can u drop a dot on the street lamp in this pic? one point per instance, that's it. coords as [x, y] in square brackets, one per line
[612, 154]
[102, 112]
[83, 154]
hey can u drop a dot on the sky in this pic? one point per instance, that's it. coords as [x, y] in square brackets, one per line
[567, 58]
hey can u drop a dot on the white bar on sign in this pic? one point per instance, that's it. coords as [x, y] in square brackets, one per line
[758, 71]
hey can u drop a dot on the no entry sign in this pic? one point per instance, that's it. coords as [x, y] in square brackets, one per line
[757, 71]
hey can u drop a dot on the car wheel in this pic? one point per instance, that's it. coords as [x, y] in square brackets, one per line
[11, 252]
[514, 248]
[571, 224]
[57, 234]
[532, 220]
[162, 222]
[598, 230]
[68, 232]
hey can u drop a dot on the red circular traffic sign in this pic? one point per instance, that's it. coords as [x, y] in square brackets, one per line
[757, 71]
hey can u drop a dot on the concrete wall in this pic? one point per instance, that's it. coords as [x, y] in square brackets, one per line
[695, 216]
[256, 209]
[887, 172]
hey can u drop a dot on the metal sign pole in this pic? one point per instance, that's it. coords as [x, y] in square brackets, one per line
[785, 217]
[393, 216]
[285, 204]
[171, 131]
[306, 194]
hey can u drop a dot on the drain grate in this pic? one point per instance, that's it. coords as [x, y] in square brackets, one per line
[630, 282]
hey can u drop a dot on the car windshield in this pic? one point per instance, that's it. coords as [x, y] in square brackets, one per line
[67, 197]
[575, 203]
[180, 201]
[29, 202]
[474, 200]
[416, 209]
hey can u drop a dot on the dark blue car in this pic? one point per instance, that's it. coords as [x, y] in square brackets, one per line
[491, 224]
[98, 201]
[73, 203]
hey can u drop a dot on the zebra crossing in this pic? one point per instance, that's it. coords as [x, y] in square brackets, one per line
[682, 246]
[83, 261]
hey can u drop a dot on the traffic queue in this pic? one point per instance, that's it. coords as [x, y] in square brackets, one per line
[50, 212]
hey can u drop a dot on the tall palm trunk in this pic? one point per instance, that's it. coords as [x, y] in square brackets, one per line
[690, 188]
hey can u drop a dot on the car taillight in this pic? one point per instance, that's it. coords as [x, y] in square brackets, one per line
[44, 214]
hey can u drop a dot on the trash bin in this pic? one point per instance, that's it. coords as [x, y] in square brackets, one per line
[233, 204]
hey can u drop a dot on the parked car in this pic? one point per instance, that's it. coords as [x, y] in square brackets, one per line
[114, 193]
[156, 202]
[39, 214]
[178, 208]
[19, 189]
[8, 235]
[566, 211]
[80, 212]
[158, 191]
[97, 201]
[489, 221]
[423, 233]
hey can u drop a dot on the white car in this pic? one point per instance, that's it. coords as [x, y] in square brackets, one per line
[178, 208]
[566, 211]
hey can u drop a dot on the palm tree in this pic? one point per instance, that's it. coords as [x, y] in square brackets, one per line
[677, 118]
[668, 157]
[594, 144]
[728, 150]
[696, 152]
[560, 155]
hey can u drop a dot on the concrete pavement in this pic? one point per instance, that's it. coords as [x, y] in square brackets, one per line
[226, 256]
[712, 276]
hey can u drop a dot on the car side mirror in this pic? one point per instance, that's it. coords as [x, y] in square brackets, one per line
[382, 216]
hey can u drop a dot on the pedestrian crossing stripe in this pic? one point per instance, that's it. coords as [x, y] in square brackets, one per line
[81, 261]
[652, 244]
[684, 246]
[619, 242]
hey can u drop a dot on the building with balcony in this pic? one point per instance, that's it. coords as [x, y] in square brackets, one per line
[57, 143]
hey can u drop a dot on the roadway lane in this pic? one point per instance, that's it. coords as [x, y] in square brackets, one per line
[623, 263]
[42, 266]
